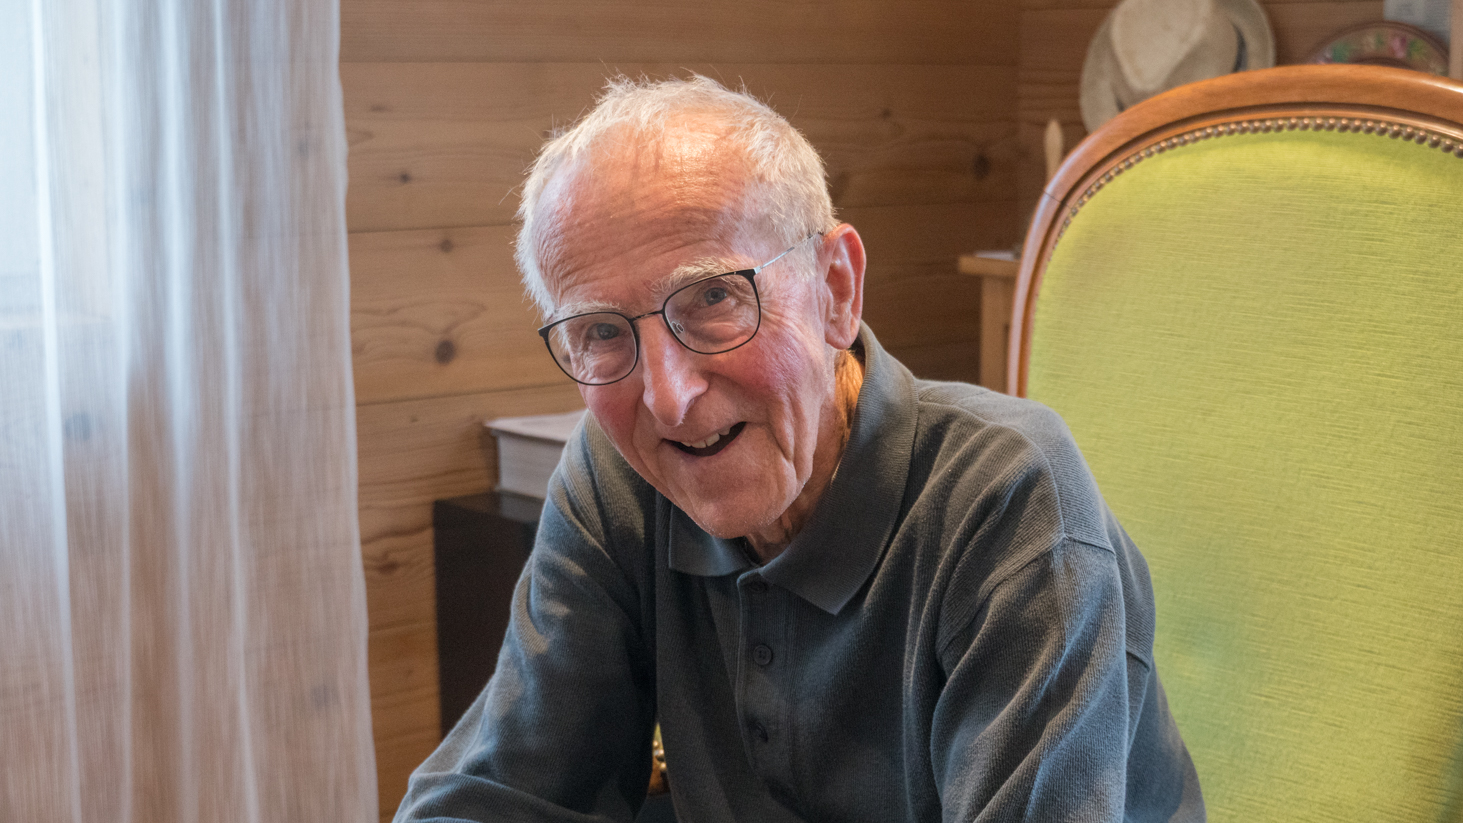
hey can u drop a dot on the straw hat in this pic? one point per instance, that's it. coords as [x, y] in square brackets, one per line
[1148, 46]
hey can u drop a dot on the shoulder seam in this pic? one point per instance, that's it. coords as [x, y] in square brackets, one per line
[996, 581]
[1035, 447]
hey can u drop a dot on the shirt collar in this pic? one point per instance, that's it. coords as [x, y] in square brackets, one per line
[830, 559]
[693, 551]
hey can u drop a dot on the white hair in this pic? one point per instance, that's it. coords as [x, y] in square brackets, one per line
[787, 184]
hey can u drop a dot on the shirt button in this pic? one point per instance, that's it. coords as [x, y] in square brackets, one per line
[758, 731]
[762, 654]
[758, 586]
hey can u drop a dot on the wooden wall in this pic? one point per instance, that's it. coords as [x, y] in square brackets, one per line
[1054, 38]
[912, 102]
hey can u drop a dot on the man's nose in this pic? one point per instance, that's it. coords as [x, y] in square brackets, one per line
[672, 379]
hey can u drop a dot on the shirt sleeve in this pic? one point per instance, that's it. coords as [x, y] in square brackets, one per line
[1043, 697]
[562, 731]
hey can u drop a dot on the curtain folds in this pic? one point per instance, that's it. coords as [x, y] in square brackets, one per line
[182, 609]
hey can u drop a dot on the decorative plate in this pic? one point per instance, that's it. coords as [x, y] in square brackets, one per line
[1386, 44]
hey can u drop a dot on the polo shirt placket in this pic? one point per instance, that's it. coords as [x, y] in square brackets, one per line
[762, 679]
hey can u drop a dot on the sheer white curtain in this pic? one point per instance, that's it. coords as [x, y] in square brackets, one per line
[182, 610]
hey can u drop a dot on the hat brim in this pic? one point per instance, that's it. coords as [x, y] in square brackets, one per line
[1101, 76]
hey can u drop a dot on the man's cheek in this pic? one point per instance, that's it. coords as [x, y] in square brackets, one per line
[773, 376]
[619, 424]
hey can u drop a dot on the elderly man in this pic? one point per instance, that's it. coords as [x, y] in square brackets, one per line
[846, 594]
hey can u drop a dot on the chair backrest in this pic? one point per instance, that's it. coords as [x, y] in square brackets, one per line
[1251, 316]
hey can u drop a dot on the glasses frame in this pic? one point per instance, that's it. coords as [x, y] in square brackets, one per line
[749, 274]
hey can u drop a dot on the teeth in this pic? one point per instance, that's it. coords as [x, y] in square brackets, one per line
[707, 442]
[710, 440]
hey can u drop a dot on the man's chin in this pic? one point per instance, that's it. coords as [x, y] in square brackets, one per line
[728, 522]
[732, 501]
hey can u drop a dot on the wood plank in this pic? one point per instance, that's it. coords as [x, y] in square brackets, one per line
[942, 361]
[931, 235]
[404, 680]
[404, 711]
[415, 451]
[396, 759]
[441, 311]
[1056, 40]
[913, 293]
[400, 582]
[758, 31]
[1054, 44]
[411, 453]
[510, 93]
[924, 308]
[444, 144]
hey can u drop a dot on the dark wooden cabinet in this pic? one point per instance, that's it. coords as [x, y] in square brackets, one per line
[482, 542]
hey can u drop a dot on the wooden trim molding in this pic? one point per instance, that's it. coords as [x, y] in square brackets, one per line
[1386, 102]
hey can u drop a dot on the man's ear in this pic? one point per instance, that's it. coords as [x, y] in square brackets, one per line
[841, 258]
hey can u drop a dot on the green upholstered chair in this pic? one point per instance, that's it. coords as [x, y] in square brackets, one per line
[1250, 314]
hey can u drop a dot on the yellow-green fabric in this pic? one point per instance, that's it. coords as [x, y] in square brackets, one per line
[1257, 341]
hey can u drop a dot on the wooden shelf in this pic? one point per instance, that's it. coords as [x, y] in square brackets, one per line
[997, 272]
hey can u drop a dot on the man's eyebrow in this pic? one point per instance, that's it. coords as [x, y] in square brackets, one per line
[696, 270]
[581, 307]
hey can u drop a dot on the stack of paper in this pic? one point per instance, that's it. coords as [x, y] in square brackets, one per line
[529, 448]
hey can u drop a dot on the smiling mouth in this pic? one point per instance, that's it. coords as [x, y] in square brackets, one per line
[712, 444]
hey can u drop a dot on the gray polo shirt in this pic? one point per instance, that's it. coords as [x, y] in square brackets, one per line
[961, 632]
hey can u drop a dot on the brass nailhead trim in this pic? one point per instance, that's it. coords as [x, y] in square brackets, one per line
[1393, 130]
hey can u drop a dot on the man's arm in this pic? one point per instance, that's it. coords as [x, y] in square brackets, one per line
[1045, 699]
[562, 731]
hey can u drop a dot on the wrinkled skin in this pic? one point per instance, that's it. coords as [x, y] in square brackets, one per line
[630, 218]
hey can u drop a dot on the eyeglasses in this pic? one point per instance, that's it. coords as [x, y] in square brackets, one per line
[712, 315]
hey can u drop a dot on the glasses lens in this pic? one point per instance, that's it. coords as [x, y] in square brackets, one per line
[594, 348]
[714, 315]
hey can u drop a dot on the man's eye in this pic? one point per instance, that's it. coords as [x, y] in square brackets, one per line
[713, 295]
[603, 331]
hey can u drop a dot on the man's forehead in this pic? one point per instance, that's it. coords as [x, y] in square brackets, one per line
[598, 218]
[678, 205]
[687, 166]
